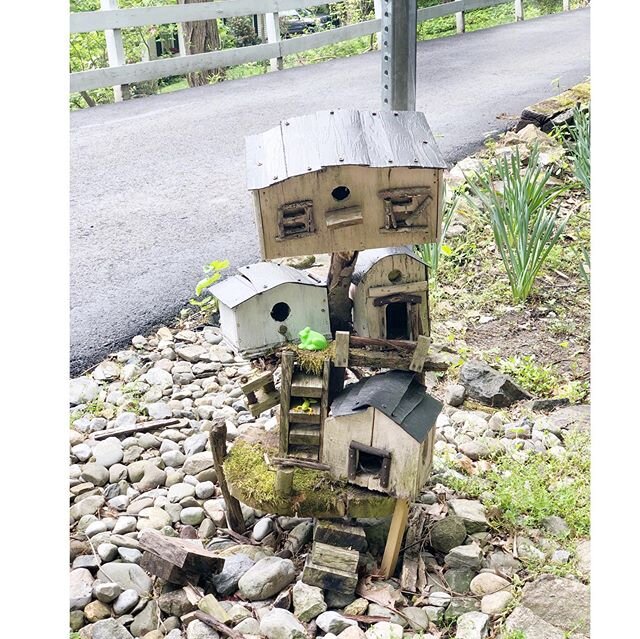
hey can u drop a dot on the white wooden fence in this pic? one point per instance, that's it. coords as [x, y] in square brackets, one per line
[111, 20]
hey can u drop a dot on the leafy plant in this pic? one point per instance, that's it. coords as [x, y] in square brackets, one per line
[580, 146]
[206, 302]
[524, 228]
[430, 253]
[536, 378]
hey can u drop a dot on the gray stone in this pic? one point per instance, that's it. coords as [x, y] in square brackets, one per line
[192, 516]
[459, 606]
[76, 620]
[174, 633]
[447, 533]
[106, 371]
[199, 630]
[418, 618]
[108, 452]
[152, 477]
[82, 390]
[125, 524]
[556, 526]
[266, 578]
[249, 626]
[528, 550]
[487, 385]
[158, 377]
[376, 610]
[94, 528]
[107, 552]
[503, 563]
[439, 599]
[146, 620]
[352, 632]
[533, 627]
[472, 625]
[82, 452]
[469, 556]
[226, 582]
[384, 630]
[237, 613]
[97, 474]
[177, 492]
[475, 449]
[486, 583]
[173, 458]
[153, 517]
[197, 463]
[80, 588]
[472, 514]
[131, 555]
[583, 556]
[195, 444]
[562, 602]
[205, 489]
[126, 602]
[560, 556]
[335, 599]
[454, 395]
[281, 624]
[334, 622]
[109, 629]
[496, 603]
[106, 592]
[127, 576]
[175, 603]
[262, 529]
[158, 410]
[459, 579]
[308, 601]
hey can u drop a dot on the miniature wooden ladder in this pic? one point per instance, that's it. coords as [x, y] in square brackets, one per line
[301, 429]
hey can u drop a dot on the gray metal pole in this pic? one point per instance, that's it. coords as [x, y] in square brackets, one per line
[398, 31]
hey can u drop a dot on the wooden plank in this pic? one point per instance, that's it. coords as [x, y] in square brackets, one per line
[324, 401]
[519, 10]
[335, 558]
[440, 10]
[394, 539]
[341, 535]
[411, 557]
[286, 367]
[253, 383]
[329, 579]
[299, 463]
[394, 360]
[115, 51]
[217, 625]
[304, 437]
[409, 287]
[341, 358]
[306, 385]
[166, 570]
[142, 427]
[272, 23]
[338, 218]
[186, 554]
[270, 400]
[420, 354]
[296, 417]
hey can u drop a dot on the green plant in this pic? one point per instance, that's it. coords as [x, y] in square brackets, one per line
[580, 146]
[576, 391]
[536, 378]
[524, 228]
[206, 302]
[585, 266]
[430, 253]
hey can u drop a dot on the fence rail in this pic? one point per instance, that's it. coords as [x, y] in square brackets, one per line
[111, 20]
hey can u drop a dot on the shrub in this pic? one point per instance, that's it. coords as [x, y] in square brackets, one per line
[580, 146]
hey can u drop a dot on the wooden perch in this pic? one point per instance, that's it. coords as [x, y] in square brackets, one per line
[300, 463]
[217, 625]
[142, 427]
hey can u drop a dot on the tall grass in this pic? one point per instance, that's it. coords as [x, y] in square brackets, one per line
[580, 146]
[430, 253]
[525, 228]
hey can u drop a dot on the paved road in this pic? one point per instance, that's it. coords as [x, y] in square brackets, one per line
[158, 184]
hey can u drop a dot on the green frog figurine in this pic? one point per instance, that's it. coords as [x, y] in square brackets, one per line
[312, 340]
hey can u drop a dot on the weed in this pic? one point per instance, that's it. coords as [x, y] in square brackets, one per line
[206, 302]
[580, 146]
[576, 391]
[536, 378]
[524, 228]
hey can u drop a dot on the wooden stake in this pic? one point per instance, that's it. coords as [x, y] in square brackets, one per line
[218, 441]
[341, 358]
[420, 354]
[284, 482]
[286, 367]
[394, 540]
[338, 284]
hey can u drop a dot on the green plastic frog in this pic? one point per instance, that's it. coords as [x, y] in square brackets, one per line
[312, 340]
[305, 407]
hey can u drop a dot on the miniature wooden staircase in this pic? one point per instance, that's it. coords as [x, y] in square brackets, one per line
[303, 408]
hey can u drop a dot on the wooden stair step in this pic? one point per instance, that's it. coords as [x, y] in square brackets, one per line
[311, 416]
[304, 436]
[329, 578]
[303, 452]
[306, 385]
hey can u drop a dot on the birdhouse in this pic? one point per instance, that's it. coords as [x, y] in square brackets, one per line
[390, 294]
[380, 434]
[266, 304]
[345, 181]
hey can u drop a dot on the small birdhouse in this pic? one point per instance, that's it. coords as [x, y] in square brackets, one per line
[380, 434]
[390, 294]
[345, 181]
[266, 304]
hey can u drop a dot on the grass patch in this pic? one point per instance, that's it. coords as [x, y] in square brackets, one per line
[539, 380]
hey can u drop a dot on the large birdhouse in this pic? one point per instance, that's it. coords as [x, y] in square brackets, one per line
[266, 304]
[380, 434]
[390, 294]
[345, 181]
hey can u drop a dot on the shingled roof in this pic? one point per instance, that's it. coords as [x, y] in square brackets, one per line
[398, 395]
[339, 138]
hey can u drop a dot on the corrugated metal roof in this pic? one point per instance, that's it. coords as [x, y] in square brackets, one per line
[257, 278]
[369, 258]
[338, 138]
[398, 395]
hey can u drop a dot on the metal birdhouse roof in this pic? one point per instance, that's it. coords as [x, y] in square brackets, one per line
[398, 395]
[257, 278]
[339, 138]
[369, 258]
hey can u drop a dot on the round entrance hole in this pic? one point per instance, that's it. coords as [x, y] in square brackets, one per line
[395, 275]
[280, 312]
[340, 193]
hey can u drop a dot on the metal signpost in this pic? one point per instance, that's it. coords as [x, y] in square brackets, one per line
[398, 49]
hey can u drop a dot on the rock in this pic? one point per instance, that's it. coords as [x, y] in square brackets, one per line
[486, 583]
[337, 599]
[384, 630]
[237, 613]
[531, 626]
[96, 610]
[357, 607]
[82, 390]
[376, 610]
[107, 592]
[570, 418]
[109, 629]
[472, 625]
[125, 524]
[106, 371]
[266, 578]
[439, 599]
[503, 563]
[158, 377]
[454, 395]
[334, 622]
[125, 602]
[212, 607]
[153, 477]
[459, 606]
[191, 353]
[262, 529]
[127, 576]
[175, 603]
[583, 557]
[158, 410]
[81, 452]
[528, 550]
[469, 556]
[418, 618]
[281, 624]
[475, 449]
[76, 620]
[197, 463]
[195, 444]
[107, 552]
[496, 603]
[249, 626]
[352, 632]
[199, 630]
[472, 514]
[447, 533]
[80, 588]
[97, 474]
[108, 452]
[561, 602]
[560, 557]
[487, 385]
[180, 491]
[459, 579]
[308, 601]
[226, 582]
[192, 516]
[206, 489]
[153, 517]
[556, 526]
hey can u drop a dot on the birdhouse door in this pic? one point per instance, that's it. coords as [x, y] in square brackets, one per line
[397, 315]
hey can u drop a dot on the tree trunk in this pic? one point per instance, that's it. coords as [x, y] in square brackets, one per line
[201, 37]
[338, 283]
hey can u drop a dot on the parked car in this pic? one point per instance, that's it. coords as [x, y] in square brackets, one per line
[294, 22]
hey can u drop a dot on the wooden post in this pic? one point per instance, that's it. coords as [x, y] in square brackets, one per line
[218, 441]
[519, 10]
[420, 354]
[394, 540]
[460, 26]
[338, 284]
[286, 368]
[115, 52]
[182, 45]
[341, 359]
[272, 21]
[566, 5]
[284, 482]
[377, 7]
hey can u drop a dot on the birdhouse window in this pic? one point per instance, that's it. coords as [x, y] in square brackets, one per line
[405, 207]
[340, 193]
[397, 321]
[295, 219]
[369, 461]
[280, 311]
